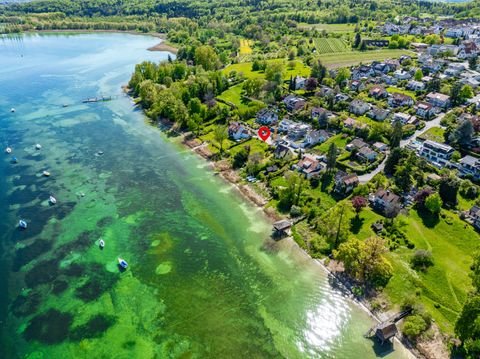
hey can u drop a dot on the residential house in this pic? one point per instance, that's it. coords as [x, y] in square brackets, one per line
[402, 117]
[345, 183]
[353, 124]
[310, 166]
[299, 82]
[468, 49]
[474, 215]
[437, 50]
[366, 154]
[294, 103]
[356, 144]
[424, 110]
[386, 202]
[325, 91]
[267, 117]
[298, 131]
[393, 64]
[378, 92]
[389, 80]
[321, 115]
[378, 114]
[454, 69]
[238, 131]
[415, 85]
[356, 85]
[380, 146]
[359, 107]
[283, 152]
[402, 75]
[438, 100]
[399, 99]
[341, 97]
[475, 100]
[438, 154]
[363, 71]
[316, 136]
[285, 125]
[470, 166]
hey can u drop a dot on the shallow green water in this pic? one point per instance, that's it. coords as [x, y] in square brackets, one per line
[205, 280]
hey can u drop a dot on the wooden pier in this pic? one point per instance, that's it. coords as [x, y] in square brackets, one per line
[97, 99]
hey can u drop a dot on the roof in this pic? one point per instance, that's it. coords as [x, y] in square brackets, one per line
[387, 196]
[282, 225]
[470, 160]
[437, 146]
[386, 330]
[438, 96]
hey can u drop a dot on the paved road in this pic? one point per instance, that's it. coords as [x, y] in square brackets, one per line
[428, 125]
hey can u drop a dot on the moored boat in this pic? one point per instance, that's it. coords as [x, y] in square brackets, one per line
[52, 200]
[122, 263]
[8, 150]
[38, 146]
[101, 244]
[22, 224]
[46, 173]
[14, 160]
[12, 109]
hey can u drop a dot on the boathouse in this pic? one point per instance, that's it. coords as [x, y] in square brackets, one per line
[282, 228]
[385, 331]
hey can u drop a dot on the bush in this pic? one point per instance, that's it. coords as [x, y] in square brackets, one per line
[414, 326]
[295, 211]
[422, 259]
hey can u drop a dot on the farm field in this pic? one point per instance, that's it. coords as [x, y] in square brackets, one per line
[342, 28]
[245, 48]
[327, 46]
[344, 59]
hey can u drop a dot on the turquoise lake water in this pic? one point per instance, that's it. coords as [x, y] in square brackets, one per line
[204, 281]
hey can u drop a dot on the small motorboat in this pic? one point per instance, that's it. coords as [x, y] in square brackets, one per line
[8, 150]
[122, 263]
[99, 153]
[65, 105]
[101, 244]
[52, 200]
[38, 146]
[14, 160]
[46, 173]
[12, 109]
[22, 224]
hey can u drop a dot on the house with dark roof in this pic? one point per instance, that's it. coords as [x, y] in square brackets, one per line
[366, 154]
[310, 166]
[345, 182]
[378, 92]
[294, 103]
[399, 99]
[378, 114]
[386, 202]
[470, 166]
[266, 117]
[238, 131]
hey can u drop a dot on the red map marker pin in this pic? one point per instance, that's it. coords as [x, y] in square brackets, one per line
[264, 133]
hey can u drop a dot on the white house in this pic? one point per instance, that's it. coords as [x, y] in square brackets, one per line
[437, 153]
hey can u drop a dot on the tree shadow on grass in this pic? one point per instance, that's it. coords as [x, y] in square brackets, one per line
[327, 179]
[356, 224]
[429, 220]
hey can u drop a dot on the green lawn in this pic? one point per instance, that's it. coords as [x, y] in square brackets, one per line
[339, 141]
[355, 57]
[246, 68]
[399, 90]
[443, 288]
[234, 95]
[255, 146]
[433, 134]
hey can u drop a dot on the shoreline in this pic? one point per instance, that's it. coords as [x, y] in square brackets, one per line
[161, 46]
[231, 177]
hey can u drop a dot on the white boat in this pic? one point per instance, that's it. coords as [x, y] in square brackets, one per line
[102, 244]
[12, 109]
[8, 150]
[22, 224]
[46, 173]
[122, 263]
[38, 146]
[52, 200]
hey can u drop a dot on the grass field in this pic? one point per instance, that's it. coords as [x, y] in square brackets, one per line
[245, 48]
[433, 134]
[246, 69]
[339, 141]
[234, 95]
[356, 57]
[341, 28]
[400, 90]
[443, 288]
[328, 46]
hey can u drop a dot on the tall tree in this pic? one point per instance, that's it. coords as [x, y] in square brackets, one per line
[463, 134]
[455, 94]
[334, 224]
[397, 134]
[319, 71]
[357, 41]
[331, 157]
[220, 134]
[473, 62]
[448, 189]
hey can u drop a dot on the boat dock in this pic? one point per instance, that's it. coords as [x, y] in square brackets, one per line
[98, 99]
[387, 329]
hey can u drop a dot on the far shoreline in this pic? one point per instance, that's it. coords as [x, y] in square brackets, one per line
[161, 46]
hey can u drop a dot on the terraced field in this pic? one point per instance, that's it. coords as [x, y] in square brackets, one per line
[330, 46]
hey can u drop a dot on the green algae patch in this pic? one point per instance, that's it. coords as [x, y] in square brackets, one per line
[164, 268]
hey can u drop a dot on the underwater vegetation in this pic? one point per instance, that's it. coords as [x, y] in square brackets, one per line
[99, 281]
[93, 328]
[27, 254]
[25, 305]
[51, 327]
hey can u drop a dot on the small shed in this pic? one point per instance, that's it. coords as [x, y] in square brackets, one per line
[385, 331]
[282, 228]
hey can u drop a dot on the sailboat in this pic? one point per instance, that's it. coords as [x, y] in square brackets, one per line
[122, 263]
[52, 200]
[38, 146]
[22, 224]
[8, 150]
[101, 244]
